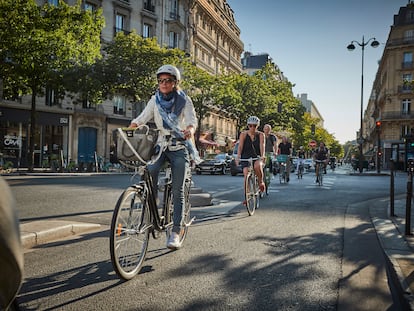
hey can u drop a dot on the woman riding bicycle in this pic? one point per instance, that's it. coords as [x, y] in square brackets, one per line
[252, 145]
[173, 113]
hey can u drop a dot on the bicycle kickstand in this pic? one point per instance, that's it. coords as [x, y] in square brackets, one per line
[190, 222]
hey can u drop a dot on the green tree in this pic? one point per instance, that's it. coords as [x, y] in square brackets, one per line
[198, 84]
[40, 43]
[130, 64]
[240, 95]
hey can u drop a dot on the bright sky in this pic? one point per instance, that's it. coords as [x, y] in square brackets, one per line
[308, 40]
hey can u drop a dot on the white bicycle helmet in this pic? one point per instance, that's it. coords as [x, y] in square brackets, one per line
[253, 120]
[171, 70]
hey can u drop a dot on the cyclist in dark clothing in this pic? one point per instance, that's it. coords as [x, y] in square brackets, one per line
[322, 154]
[252, 145]
[285, 147]
[270, 146]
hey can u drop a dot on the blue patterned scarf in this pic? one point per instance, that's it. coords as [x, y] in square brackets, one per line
[170, 107]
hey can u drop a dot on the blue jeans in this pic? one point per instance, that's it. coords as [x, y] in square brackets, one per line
[180, 163]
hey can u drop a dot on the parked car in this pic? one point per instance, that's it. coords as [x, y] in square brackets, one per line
[214, 163]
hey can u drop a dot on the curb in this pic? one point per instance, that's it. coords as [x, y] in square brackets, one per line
[396, 249]
[44, 231]
[40, 232]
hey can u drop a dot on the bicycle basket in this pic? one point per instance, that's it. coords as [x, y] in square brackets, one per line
[136, 144]
[282, 158]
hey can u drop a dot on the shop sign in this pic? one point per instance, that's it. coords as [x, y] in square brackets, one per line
[11, 141]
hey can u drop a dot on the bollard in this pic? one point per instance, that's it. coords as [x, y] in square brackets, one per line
[392, 211]
[409, 197]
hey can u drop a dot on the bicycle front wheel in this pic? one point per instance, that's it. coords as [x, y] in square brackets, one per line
[130, 228]
[250, 194]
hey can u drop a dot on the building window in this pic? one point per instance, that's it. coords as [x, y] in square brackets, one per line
[408, 60]
[119, 104]
[407, 81]
[172, 40]
[119, 23]
[405, 130]
[89, 7]
[53, 2]
[51, 98]
[406, 106]
[149, 6]
[146, 31]
[174, 9]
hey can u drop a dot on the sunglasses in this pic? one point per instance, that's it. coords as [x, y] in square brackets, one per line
[168, 80]
[252, 125]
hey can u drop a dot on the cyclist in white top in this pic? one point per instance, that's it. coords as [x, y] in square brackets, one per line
[171, 108]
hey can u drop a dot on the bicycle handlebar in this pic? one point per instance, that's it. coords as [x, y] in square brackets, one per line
[250, 159]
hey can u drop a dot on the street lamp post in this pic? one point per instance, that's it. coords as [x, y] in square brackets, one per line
[351, 47]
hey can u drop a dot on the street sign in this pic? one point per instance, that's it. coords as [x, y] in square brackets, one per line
[312, 144]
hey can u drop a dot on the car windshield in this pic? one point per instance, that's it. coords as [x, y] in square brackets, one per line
[221, 156]
[211, 156]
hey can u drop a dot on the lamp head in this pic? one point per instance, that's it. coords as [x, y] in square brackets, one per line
[351, 47]
[375, 43]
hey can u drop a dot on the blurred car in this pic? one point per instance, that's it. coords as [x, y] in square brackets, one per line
[235, 169]
[214, 163]
[308, 164]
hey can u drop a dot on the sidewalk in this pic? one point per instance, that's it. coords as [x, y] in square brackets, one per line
[398, 248]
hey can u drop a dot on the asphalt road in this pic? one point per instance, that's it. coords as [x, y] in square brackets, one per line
[306, 248]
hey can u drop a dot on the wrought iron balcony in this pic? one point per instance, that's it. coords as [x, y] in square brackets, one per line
[405, 88]
[397, 115]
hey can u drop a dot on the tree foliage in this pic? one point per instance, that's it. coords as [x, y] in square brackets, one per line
[198, 84]
[41, 43]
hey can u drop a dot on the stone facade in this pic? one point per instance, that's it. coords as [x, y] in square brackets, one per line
[204, 28]
[392, 95]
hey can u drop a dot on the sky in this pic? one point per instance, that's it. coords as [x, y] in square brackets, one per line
[308, 41]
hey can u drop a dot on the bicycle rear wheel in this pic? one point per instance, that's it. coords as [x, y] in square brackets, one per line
[130, 228]
[251, 197]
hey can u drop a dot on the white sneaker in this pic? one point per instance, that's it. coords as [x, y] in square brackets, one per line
[174, 241]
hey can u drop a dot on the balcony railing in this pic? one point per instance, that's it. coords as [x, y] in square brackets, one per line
[116, 29]
[405, 88]
[400, 41]
[397, 115]
[407, 65]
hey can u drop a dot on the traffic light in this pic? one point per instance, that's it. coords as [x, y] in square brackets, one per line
[378, 125]
[313, 129]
